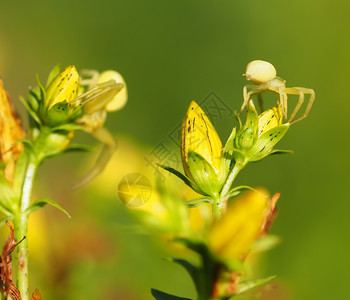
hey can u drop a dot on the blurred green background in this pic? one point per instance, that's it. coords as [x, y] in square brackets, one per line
[171, 52]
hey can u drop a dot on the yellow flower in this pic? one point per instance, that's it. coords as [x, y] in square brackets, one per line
[270, 119]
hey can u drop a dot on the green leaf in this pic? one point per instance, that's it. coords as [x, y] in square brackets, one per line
[236, 190]
[199, 201]
[184, 178]
[190, 268]
[159, 295]
[249, 284]
[203, 174]
[266, 142]
[42, 202]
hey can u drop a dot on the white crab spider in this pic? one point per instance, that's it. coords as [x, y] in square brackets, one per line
[106, 92]
[263, 74]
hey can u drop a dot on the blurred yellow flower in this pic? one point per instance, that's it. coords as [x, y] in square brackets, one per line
[233, 234]
[10, 131]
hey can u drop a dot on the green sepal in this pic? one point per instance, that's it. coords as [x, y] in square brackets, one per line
[53, 74]
[31, 112]
[198, 201]
[159, 295]
[68, 127]
[250, 284]
[184, 178]
[203, 174]
[42, 93]
[264, 145]
[42, 202]
[248, 133]
[34, 100]
[58, 114]
[226, 158]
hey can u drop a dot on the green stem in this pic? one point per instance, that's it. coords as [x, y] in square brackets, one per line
[21, 228]
[236, 169]
[205, 284]
[219, 205]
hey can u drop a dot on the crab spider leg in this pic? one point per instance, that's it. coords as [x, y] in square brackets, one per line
[261, 103]
[283, 102]
[299, 103]
[109, 146]
[108, 88]
[301, 91]
[90, 73]
[255, 89]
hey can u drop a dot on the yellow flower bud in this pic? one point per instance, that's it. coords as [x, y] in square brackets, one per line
[63, 88]
[199, 135]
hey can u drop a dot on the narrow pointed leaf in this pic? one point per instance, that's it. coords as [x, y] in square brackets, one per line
[249, 284]
[42, 202]
[282, 152]
[199, 201]
[184, 178]
[159, 295]
[190, 268]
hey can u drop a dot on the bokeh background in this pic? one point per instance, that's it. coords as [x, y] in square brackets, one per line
[171, 52]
